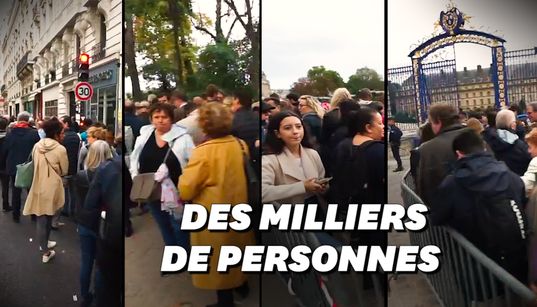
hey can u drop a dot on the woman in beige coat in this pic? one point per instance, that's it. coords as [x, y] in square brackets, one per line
[291, 169]
[46, 195]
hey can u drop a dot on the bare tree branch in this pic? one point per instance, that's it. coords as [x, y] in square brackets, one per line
[203, 29]
[231, 4]
[249, 11]
[231, 28]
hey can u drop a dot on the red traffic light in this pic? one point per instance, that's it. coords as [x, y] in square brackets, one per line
[84, 58]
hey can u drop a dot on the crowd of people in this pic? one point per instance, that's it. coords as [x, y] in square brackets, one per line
[476, 171]
[193, 146]
[68, 165]
[309, 155]
[315, 156]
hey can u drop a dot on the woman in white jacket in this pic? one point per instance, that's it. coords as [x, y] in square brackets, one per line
[530, 180]
[149, 153]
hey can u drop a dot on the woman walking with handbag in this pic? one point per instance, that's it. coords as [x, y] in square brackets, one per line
[46, 195]
[162, 142]
[206, 181]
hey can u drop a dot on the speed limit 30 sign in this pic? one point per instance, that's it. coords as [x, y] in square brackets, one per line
[83, 91]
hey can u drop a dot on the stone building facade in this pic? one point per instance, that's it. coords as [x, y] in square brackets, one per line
[41, 42]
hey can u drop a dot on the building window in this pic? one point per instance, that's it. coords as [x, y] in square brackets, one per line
[51, 108]
[488, 100]
[103, 32]
[77, 46]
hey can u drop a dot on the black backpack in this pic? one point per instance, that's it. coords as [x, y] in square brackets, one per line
[501, 225]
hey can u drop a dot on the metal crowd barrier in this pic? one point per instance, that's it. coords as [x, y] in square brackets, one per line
[466, 277]
[334, 289]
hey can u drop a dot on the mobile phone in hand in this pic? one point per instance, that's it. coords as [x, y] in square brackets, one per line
[323, 180]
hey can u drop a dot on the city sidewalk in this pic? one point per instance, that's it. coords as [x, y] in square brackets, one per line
[145, 287]
[408, 290]
[25, 280]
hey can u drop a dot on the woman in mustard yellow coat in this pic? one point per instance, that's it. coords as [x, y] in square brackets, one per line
[213, 175]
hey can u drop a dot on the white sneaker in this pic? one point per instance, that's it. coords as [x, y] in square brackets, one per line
[50, 244]
[47, 258]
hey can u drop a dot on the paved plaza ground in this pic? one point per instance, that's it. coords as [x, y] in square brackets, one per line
[408, 290]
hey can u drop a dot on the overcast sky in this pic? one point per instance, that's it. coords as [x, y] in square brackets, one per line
[410, 21]
[342, 35]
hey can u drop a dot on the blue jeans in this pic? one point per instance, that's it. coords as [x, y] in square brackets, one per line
[170, 229]
[88, 247]
[70, 197]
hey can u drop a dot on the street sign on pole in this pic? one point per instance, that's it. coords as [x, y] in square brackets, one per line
[83, 91]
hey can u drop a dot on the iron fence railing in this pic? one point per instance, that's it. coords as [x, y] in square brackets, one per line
[314, 289]
[467, 277]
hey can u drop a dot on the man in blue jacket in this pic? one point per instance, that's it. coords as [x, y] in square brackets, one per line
[394, 136]
[483, 200]
[18, 146]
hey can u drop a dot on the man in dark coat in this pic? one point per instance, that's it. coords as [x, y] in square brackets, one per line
[18, 147]
[131, 119]
[436, 155]
[506, 145]
[71, 142]
[245, 124]
[293, 100]
[179, 100]
[4, 178]
[478, 175]
[394, 135]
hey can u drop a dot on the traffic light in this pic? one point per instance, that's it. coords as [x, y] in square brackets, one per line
[83, 68]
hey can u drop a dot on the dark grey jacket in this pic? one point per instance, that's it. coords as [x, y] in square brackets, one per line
[436, 159]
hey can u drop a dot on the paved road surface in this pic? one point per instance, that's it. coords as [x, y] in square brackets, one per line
[24, 280]
[409, 290]
[145, 287]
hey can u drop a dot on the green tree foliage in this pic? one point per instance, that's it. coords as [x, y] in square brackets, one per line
[163, 31]
[218, 64]
[302, 87]
[319, 82]
[365, 78]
